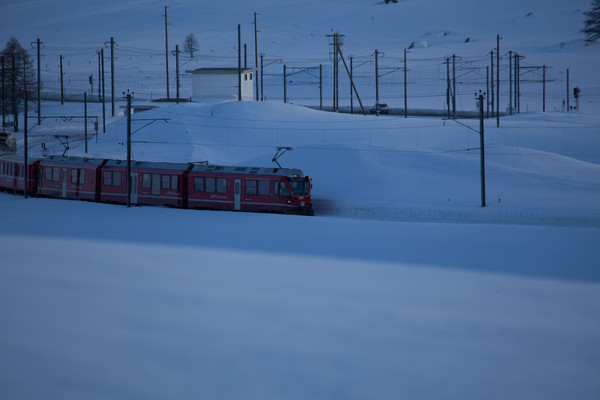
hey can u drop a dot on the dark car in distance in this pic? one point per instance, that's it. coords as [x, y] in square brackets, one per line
[380, 108]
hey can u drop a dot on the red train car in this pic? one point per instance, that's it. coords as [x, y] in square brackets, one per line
[70, 177]
[12, 174]
[185, 185]
[151, 183]
[249, 189]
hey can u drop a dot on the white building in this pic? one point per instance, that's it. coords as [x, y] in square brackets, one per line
[222, 82]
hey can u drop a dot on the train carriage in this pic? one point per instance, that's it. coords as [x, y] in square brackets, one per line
[70, 177]
[159, 183]
[12, 174]
[249, 189]
[151, 183]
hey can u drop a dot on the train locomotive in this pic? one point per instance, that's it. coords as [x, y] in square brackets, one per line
[183, 185]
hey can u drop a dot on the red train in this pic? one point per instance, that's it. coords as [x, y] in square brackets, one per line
[185, 185]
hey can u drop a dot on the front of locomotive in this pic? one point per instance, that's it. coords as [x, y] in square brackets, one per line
[300, 187]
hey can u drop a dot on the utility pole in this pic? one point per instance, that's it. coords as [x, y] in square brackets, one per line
[99, 79]
[351, 94]
[568, 91]
[544, 88]
[103, 94]
[321, 86]
[487, 90]
[376, 81]
[245, 56]
[39, 83]
[239, 63]
[448, 85]
[62, 89]
[498, 81]
[262, 94]
[335, 71]
[112, 74]
[510, 82]
[166, 52]
[516, 78]
[453, 85]
[405, 91]
[482, 150]
[518, 91]
[85, 120]
[177, 69]
[336, 59]
[284, 85]
[128, 182]
[491, 98]
[256, 55]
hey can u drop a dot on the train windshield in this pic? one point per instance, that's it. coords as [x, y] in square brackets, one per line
[300, 186]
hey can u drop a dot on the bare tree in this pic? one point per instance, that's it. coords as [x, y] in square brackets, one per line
[190, 45]
[18, 71]
[592, 23]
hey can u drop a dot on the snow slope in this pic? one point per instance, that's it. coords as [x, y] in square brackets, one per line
[101, 301]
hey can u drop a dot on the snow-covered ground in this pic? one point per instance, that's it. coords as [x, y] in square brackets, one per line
[101, 301]
[401, 286]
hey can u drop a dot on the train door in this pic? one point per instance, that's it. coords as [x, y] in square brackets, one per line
[156, 184]
[64, 183]
[237, 193]
[134, 188]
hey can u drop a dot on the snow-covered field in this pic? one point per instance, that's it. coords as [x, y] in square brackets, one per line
[401, 286]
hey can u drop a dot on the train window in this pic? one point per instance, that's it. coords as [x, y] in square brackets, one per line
[107, 178]
[112, 178]
[165, 181]
[198, 184]
[221, 185]
[174, 182]
[281, 189]
[52, 174]
[209, 185]
[77, 175]
[146, 182]
[17, 170]
[300, 186]
[251, 186]
[263, 188]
